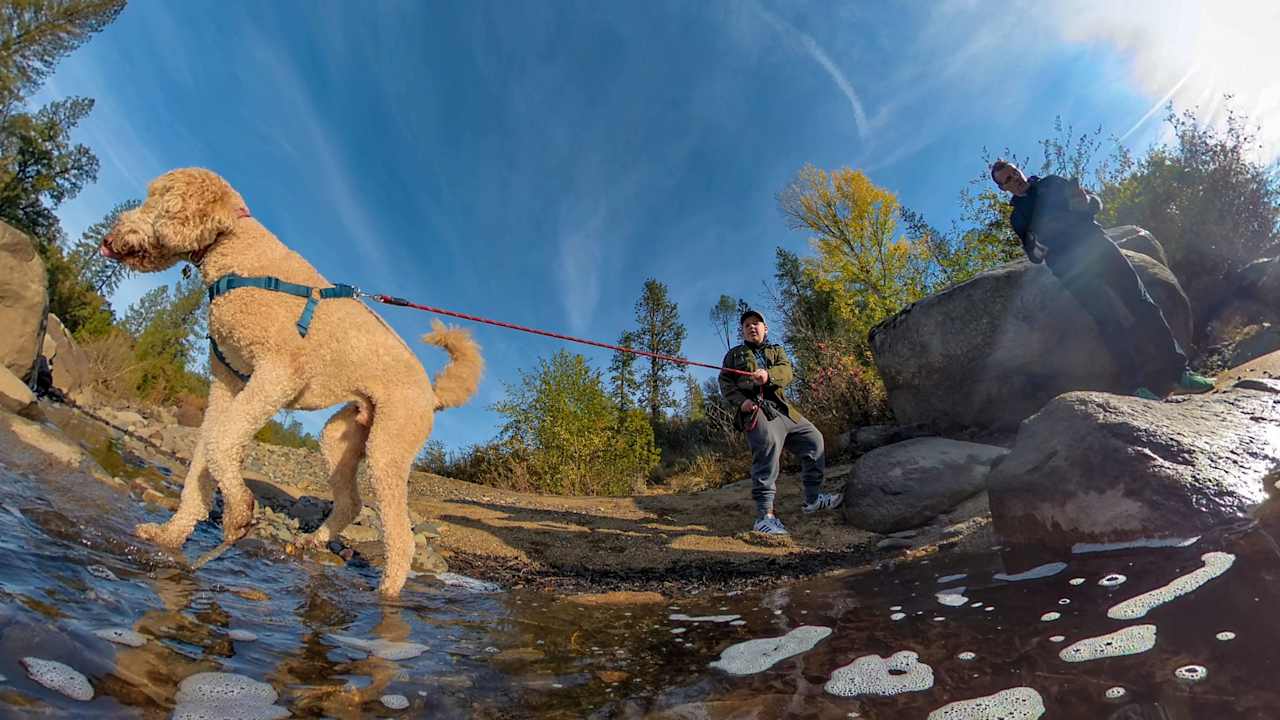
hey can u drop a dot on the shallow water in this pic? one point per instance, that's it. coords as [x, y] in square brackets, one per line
[68, 567]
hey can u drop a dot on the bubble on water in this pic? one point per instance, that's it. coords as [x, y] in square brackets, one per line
[1191, 673]
[1050, 616]
[1127, 641]
[966, 655]
[1057, 638]
[874, 675]
[952, 597]
[938, 618]
[1064, 601]
[59, 678]
[242, 635]
[1215, 563]
[1076, 581]
[1115, 693]
[1112, 580]
[704, 618]
[896, 608]
[989, 608]
[897, 616]
[217, 695]
[1020, 703]
[122, 636]
[677, 631]
[1083, 548]
[738, 622]
[753, 656]
[395, 702]
[952, 578]
[468, 583]
[1042, 571]
[976, 605]
[1226, 635]
[101, 571]
[385, 649]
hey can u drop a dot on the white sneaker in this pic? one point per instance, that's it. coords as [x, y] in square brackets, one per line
[770, 526]
[825, 501]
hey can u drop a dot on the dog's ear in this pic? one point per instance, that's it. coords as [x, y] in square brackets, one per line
[192, 207]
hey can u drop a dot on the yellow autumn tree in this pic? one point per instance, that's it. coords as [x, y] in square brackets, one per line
[867, 266]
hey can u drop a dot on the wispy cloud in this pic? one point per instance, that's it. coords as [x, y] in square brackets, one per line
[820, 56]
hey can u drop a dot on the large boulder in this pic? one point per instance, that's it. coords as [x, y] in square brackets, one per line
[1135, 239]
[907, 484]
[1096, 468]
[69, 363]
[16, 397]
[993, 350]
[24, 302]
[1261, 280]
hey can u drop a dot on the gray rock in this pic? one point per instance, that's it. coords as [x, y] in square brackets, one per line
[360, 533]
[1135, 239]
[24, 302]
[907, 484]
[16, 397]
[1257, 341]
[1094, 467]
[871, 437]
[69, 363]
[1271, 385]
[989, 352]
[893, 543]
[1261, 279]
[427, 560]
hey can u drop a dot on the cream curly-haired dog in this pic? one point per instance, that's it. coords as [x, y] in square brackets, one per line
[347, 355]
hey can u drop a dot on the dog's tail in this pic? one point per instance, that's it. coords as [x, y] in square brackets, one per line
[458, 381]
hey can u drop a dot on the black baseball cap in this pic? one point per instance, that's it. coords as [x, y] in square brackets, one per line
[751, 313]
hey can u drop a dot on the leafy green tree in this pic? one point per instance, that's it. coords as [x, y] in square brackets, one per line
[103, 274]
[694, 400]
[870, 270]
[658, 330]
[40, 166]
[577, 445]
[1207, 199]
[288, 433]
[724, 318]
[167, 345]
[622, 374]
[36, 34]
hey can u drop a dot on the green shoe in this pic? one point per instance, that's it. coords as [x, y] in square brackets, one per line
[1194, 383]
[1145, 394]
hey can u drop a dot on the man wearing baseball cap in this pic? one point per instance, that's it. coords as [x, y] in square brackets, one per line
[772, 423]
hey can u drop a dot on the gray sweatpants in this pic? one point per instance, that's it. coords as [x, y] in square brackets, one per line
[767, 440]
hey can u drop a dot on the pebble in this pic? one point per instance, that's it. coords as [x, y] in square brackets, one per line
[122, 636]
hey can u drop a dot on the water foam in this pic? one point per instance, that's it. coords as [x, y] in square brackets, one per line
[1050, 616]
[753, 656]
[1191, 673]
[1126, 641]
[1076, 581]
[1215, 563]
[242, 635]
[874, 675]
[952, 578]
[1112, 580]
[966, 656]
[897, 616]
[468, 583]
[1115, 693]
[1083, 548]
[219, 696]
[122, 636]
[952, 597]
[705, 618]
[59, 678]
[385, 649]
[1020, 703]
[1226, 635]
[395, 702]
[1042, 571]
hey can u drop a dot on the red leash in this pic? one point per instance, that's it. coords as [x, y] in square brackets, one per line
[391, 300]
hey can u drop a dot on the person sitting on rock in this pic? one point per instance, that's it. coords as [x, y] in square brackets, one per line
[771, 423]
[1054, 218]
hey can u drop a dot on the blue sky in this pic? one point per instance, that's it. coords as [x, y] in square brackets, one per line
[536, 161]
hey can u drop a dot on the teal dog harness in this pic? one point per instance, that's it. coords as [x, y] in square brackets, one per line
[227, 283]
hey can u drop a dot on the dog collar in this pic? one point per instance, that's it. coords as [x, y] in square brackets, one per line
[198, 256]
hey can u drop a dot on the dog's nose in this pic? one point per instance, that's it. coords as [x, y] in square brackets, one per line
[106, 250]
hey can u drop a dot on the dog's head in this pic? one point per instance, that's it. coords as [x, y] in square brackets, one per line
[185, 212]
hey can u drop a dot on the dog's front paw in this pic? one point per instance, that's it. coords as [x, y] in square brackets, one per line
[159, 534]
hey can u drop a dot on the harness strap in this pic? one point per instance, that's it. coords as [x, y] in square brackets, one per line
[227, 283]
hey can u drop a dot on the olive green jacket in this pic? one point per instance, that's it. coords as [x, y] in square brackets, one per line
[738, 388]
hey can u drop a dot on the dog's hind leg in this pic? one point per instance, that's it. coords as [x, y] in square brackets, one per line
[269, 389]
[342, 443]
[197, 489]
[400, 425]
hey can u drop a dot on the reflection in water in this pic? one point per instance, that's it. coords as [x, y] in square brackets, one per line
[76, 589]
